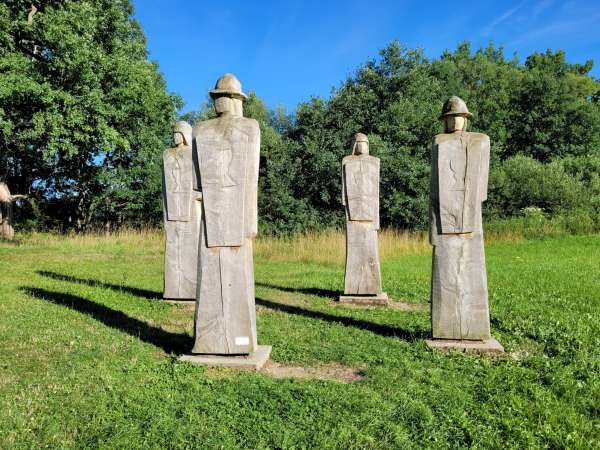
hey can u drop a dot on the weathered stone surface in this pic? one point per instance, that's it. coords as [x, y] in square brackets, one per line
[253, 361]
[360, 195]
[487, 346]
[228, 151]
[182, 215]
[459, 296]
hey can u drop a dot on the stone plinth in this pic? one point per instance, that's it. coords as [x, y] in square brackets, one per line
[378, 300]
[253, 361]
[488, 346]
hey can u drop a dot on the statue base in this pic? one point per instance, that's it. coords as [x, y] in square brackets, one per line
[253, 361]
[488, 346]
[377, 300]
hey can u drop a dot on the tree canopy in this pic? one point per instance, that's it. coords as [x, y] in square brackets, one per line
[84, 116]
[541, 111]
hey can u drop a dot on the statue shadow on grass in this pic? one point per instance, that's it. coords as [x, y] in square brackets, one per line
[138, 292]
[177, 343]
[382, 330]
[327, 293]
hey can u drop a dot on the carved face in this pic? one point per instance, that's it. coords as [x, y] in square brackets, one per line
[224, 105]
[361, 148]
[455, 123]
[238, 107]
[178, 138]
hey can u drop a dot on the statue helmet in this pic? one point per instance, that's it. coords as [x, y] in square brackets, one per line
[185, 129]
[359, 137]
[229, 86]
[455, 106]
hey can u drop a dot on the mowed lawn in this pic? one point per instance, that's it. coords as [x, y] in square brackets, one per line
[88, 354]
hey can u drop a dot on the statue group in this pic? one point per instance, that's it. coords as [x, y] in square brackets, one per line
[210, 203]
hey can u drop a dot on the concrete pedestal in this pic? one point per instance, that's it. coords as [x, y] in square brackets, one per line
[487, 346]
[381, 299]
[253, 361]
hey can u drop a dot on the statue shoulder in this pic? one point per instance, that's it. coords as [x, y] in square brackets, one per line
[479, 136]
[250, 126]
[373, 160]
[199, 127]
[443, 137]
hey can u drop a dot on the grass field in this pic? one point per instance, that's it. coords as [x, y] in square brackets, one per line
[88, 353]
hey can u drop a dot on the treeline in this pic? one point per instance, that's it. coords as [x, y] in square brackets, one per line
[543, 118]
[84, 118]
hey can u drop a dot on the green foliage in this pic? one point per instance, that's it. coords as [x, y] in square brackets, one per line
[89, 356]
[84, 116]
[561, 187]
[536, 114]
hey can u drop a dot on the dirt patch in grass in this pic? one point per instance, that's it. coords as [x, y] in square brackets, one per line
[406, 306]
[393, 304]
[330, 372]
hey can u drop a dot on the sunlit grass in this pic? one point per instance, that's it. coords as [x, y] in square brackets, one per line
[88, 355]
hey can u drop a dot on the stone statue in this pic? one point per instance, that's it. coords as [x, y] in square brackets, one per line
[182, 213]
[6, 204]
[459, 179]
[360, 196]
[228, 151]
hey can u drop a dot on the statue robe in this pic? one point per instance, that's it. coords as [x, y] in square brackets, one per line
[182, 213]
[360, 195]
[228, 152]
[459, 295]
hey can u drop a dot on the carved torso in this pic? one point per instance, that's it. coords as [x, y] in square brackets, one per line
[178, 178]
[361, 188]
[228, 153]
[460, 164]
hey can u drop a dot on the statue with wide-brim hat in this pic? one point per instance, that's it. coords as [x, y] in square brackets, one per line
[460, 316]
[228, 86]
[227, 151]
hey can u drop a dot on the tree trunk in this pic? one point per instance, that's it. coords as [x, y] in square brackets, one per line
[6, 230]
[6, 200]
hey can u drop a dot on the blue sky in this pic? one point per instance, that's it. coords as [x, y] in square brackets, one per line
[288, 51]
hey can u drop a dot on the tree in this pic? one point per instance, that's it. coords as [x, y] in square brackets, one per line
[84, 116]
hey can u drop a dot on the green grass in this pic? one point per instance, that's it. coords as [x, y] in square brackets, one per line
[88, 355]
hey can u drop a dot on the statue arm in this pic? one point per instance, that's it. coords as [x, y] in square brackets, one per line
[197, 186]
[432, 190]
[253, 168]
[343, 183]
[485, 169]
[377, 185]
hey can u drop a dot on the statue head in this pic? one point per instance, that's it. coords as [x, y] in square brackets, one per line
[360, 144]
[182, 134]
[455, 115]
[228, 96]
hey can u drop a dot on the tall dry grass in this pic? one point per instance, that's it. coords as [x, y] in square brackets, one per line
[329, 246]
[123, 237]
